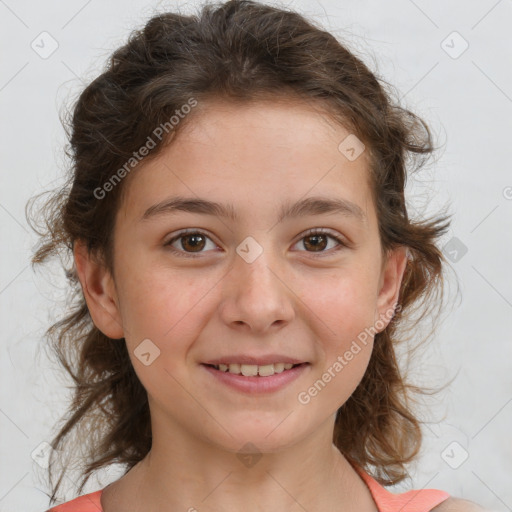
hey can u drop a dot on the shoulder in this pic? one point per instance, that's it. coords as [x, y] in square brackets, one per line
[458, 505]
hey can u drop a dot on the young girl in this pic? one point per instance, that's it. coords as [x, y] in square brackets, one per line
[243, 263]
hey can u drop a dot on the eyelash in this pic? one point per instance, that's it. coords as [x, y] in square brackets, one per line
[310, 232]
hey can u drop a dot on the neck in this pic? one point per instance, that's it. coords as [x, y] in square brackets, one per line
[195, 476]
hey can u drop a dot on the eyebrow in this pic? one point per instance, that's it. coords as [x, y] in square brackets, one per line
[302, 208]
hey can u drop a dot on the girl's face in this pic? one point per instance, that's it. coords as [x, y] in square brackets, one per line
[248, 282]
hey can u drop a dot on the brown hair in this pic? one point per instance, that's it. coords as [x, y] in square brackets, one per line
[240, 50]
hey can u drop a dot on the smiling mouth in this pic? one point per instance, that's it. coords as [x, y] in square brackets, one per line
[253, 370]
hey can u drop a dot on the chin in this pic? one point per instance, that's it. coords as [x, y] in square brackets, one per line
[248, 438]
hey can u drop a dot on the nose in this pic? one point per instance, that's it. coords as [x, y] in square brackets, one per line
[256, 296]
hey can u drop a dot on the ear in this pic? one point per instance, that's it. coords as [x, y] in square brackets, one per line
[392, 272]
[99, 291]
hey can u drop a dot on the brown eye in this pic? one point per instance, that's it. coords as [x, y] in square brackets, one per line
[189, 243]
[193, 243]
[316, 242]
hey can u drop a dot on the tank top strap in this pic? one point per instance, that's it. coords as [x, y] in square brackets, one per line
[423, 500]
[85, 503]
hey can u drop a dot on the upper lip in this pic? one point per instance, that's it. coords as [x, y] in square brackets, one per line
[255, 360]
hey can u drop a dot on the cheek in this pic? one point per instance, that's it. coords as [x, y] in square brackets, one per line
[161, 315]
[344, 302]
[343, 306]
[157, 303]
[344, 347]
[169, 308]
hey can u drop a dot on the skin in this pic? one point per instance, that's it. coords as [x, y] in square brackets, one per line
[459, 505]
[291, 300]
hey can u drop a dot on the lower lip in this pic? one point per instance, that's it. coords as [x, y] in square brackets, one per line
[258, 384]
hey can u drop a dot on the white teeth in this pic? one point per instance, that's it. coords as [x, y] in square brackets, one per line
[234, 368]
[252, 370]
[278, 367]
[249, 370]
[266, 370]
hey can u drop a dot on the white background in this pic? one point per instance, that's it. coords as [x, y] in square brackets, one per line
[468, 102]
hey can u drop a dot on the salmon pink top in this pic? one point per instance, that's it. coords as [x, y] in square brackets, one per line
[423, 500]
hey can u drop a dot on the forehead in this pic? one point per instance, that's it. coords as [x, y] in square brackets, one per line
[279, 123]
[253, 155]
